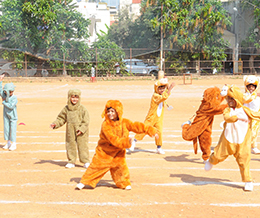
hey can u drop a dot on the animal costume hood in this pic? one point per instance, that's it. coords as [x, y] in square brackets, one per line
[71, 92]
[7, 88]
[117, 105]
[161, 82]
[237, 95]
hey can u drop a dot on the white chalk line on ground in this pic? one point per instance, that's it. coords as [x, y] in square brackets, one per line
[136, 150]
[132, 168]
[44, 90]
[127, 204]
[178, 184]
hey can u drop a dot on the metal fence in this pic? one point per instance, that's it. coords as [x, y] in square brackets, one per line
[75, 66]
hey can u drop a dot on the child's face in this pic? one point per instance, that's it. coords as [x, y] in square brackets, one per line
[231, 102]
[112, 114]
[10, 93]
[161, 89]
[251, 88]
[74, 99]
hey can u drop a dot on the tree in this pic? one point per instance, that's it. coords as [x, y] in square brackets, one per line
[195, 26]
[139, 33]
[44, 28]
[108, 54]
[252, 43]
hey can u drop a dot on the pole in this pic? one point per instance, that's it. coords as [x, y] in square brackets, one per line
[161, 72]
[64, 68]
[235, 63]
[161, 50]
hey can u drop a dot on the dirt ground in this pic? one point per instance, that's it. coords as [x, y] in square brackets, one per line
[35, 183]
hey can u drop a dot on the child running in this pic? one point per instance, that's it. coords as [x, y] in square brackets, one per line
[252, 101]
[110, 151]
[162, 91]
[76, 117]
[236, 137]
[10, 114]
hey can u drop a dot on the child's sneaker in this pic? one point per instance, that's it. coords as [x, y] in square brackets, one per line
[12, 146]
[80, 186]
[7, 146]
[86, 165]
[160, 151]
[255, 150]
[208, 166]
[132, 148]
[70, 165]
[187, 122]
[128, 187]
[249, 186]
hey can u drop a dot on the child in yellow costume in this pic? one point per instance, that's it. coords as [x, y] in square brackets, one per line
[162, 91]
[110, 151]
[77, 129]
[236, 137]
[252, 101]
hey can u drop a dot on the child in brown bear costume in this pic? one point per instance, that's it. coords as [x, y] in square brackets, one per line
[201, 127]
[111, 148]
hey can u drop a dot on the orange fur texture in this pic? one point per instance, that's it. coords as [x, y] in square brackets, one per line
[201, 127]
[110, 151]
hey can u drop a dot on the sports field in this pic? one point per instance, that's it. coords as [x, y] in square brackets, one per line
[35, 183]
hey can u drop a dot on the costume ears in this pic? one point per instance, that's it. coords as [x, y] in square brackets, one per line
[224, 90]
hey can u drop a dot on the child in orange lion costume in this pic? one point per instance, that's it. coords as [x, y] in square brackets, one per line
[110, 151]
[201, 127]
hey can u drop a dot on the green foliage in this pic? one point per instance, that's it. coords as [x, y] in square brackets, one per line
[45, 28]
[193, 26]
[139, 33]
[108, 54]
[252, 41]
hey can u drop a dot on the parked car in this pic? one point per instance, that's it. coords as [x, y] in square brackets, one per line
[9, 70]
[137, 66]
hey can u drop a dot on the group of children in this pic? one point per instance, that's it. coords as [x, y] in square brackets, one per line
[237, 137]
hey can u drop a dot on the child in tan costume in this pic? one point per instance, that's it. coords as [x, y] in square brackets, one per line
[162, 91]
[76, 117]
[110, 151]
[236, 137]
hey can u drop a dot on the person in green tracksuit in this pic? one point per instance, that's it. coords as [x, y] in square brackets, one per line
[76, 117]
[9, 114]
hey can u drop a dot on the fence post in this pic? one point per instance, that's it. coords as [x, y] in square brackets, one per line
[25, 64]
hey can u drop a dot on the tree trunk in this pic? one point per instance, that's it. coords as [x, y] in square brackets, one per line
[251, 63]
[39, 67]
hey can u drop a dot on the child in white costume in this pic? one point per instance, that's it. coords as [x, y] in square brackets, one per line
[162, 91]
[10, 114]
[236, 137]
[252, 101]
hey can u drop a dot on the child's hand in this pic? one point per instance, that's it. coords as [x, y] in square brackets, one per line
[2, 77]
[52, 125]
[171, 87]
[130, 141]
[156, 136]
[78, 132]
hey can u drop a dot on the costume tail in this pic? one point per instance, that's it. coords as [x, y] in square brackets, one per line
[195, 145]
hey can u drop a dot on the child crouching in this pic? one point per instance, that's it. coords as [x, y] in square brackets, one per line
[111, 148]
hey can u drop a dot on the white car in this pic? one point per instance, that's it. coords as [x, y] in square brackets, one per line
[137, 66]
[9, 70]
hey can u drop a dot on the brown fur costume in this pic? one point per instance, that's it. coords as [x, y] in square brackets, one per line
[110, 151]
[201, 127]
